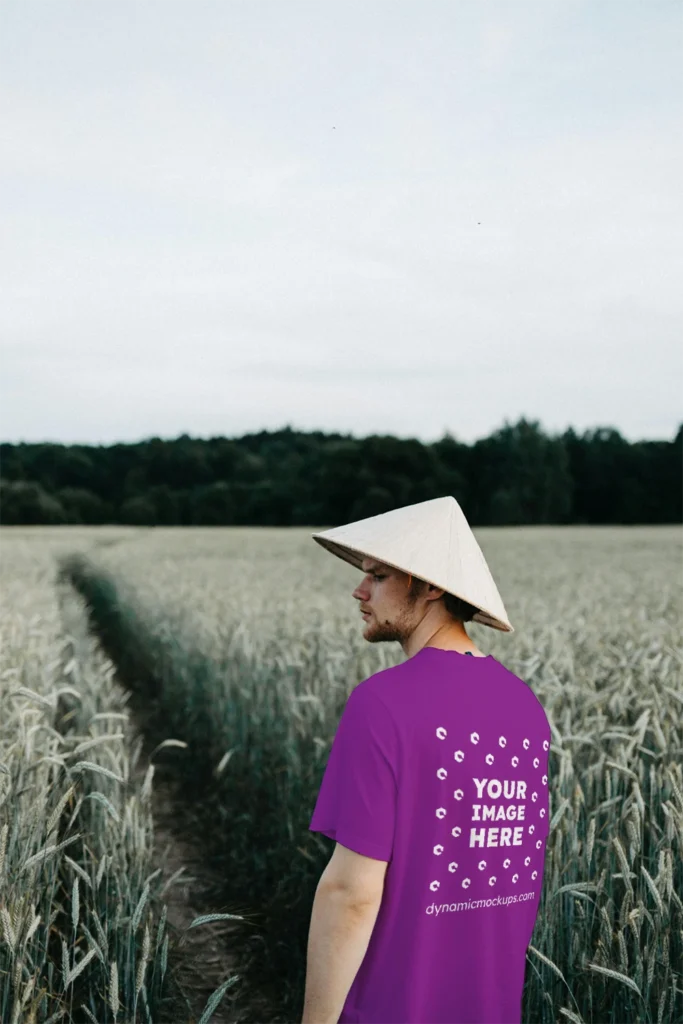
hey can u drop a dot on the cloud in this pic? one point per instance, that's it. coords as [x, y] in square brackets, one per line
[500, 190]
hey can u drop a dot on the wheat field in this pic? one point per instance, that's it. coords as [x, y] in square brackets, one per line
[244, 644]
[82, 913]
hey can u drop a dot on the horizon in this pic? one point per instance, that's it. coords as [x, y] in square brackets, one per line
[347, 435]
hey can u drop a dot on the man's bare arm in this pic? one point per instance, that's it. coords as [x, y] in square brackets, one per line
[338, 939]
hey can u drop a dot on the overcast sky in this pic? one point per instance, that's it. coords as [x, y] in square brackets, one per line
[387, 216]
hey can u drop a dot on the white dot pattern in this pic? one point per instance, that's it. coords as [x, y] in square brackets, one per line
[501, 793]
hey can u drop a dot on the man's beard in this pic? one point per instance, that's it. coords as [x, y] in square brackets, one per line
[383, 631]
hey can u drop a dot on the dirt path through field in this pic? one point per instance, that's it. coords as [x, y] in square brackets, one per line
[200, 959]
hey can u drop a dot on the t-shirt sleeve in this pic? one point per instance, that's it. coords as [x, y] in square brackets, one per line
[356, 804]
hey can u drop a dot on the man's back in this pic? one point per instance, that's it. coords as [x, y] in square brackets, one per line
[439, 766]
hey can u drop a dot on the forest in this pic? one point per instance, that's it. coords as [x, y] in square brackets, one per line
[519, 475]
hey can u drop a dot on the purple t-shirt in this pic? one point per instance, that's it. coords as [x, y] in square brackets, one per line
[440, 766]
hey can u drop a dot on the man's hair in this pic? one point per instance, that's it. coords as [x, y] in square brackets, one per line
[458, 609]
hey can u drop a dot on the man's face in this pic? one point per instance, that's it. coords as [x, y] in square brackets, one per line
[393, 611]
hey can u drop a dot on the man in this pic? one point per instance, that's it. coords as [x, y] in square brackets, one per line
[435, 793]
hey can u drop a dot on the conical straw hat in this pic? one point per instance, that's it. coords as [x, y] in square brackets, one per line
[431, 540]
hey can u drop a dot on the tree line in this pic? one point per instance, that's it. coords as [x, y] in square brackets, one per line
[519, 475]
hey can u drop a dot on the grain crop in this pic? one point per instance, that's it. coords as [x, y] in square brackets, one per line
[246, 644]
[79, 900]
